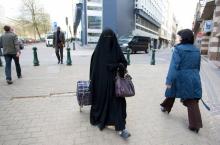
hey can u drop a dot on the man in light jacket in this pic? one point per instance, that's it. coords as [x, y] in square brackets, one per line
[9, 42]
[58, 44]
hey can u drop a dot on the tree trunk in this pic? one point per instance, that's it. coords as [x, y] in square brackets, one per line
[36, 27]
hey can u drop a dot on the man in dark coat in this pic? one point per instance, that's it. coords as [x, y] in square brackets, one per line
[106, 108]
[58, 44]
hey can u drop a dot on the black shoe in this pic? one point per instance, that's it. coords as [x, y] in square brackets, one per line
[20, 76]
[61, 62]
[124, 134]
[100, 127]
[196, 130]
[9, 82]
[58, 62]
[164, 110]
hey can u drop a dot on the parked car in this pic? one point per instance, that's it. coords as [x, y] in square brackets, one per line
[135, 43]
[49, 40]
[42, 39]
[29, 40]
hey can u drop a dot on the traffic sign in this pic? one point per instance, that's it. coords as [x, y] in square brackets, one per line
[54, 27]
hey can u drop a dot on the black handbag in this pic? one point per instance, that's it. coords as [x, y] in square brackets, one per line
[124, 86]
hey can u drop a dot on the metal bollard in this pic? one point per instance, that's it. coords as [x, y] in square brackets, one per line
[35, 61]
[1, 62]
[153, 57]
[68, 61]
[128, 55]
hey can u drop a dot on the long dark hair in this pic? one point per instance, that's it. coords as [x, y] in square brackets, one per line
[187, 36]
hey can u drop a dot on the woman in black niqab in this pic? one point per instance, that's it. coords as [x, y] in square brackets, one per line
[106, 109]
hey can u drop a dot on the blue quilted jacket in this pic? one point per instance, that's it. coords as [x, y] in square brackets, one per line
[183, 74]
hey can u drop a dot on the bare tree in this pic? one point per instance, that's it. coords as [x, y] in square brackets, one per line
[34, 13]
[24, 28]
[1, 27]
[44, 22]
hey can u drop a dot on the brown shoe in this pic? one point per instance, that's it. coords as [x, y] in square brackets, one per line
[196, 130]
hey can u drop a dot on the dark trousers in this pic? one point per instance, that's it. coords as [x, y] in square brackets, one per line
[194, 116]
[59, 52]
[1, 61]
[8, 59]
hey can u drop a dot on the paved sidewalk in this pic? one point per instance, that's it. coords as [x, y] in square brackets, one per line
[49, 115]
[211, 81]
[41, 108]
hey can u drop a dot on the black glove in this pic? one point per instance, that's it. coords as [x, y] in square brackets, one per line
[121, 70]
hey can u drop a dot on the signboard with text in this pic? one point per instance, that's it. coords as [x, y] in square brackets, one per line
[54, 26]
[208, 25]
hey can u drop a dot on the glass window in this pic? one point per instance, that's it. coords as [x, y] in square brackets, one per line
[94, 22]
[94, 1]
[50, 37]
[94, 34]
[94, 8]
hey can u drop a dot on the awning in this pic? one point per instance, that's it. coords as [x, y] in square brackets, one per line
[208, 11]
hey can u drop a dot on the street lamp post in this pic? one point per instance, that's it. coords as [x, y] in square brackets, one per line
[67, 32]
[35, 61]
[128, 55]
[153, 57]
[153, 52]
[68, 61]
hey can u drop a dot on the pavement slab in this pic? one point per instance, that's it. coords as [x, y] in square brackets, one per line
[42, 109]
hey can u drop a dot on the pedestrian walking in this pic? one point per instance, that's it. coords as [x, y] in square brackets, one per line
[11, 50]
[183, 79]
[58, 44]
[107, 109]
[1, 54]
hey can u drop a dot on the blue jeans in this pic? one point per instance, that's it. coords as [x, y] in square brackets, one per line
[8, 58]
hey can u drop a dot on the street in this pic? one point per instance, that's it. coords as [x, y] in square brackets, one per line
[46, 55]
[41, 108]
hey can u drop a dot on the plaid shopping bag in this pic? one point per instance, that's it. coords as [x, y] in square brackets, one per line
[84, 96]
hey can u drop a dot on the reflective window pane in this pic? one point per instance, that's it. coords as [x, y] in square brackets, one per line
[94, 22]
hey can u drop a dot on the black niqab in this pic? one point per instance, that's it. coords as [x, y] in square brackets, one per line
[106, 109]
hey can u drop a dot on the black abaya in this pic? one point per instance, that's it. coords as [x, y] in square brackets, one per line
[106, 109]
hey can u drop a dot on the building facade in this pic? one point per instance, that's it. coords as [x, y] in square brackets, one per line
[149, 18]
[174, 31]
[214, 43]
[91, 21]
[119, 16]
[138, 17]
[165, 32]
[207, 28]
[94, 19]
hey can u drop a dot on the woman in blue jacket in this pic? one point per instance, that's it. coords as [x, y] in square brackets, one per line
[183, 79]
